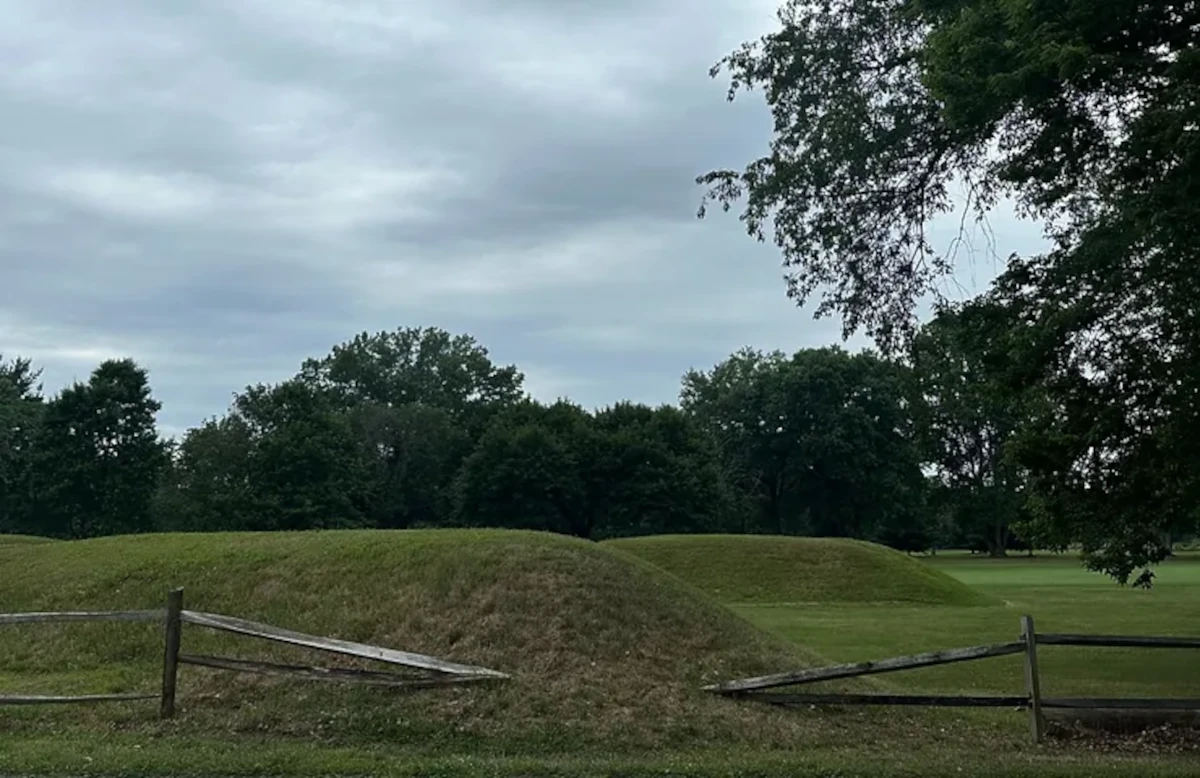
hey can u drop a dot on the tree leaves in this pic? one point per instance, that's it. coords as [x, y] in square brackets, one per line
[1089, 121]
[97, 458]
[820, 440]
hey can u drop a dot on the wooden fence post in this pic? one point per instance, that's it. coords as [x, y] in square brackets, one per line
[1033, 684]
[171, 652]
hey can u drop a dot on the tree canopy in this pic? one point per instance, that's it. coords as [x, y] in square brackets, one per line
[820, 439]
[884, 110]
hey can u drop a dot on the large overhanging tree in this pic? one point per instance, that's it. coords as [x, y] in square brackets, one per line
[1087, 116]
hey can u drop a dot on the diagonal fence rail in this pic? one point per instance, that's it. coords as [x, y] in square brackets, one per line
[761, 688]
[424, 671]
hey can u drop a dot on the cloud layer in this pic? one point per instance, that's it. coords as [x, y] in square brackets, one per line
[221, 189]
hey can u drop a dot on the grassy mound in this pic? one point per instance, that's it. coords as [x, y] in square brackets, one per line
[23, 540]
[773, 569]
[604, 649]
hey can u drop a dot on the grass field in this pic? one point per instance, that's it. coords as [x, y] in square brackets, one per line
[1056, 591]
[607, 653]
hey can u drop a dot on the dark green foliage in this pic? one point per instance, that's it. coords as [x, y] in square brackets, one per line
[305, 464]
[411, 454]
[1085, 115]
[821, 440]
[966, 418]
[414, 366]
[531, 470]
[627, 470]
[859, 162]
[659, 471]
[20, 417]
[96, 457]
[208, 487]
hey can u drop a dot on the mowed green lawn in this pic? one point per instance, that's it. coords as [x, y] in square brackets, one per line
[1055, 590]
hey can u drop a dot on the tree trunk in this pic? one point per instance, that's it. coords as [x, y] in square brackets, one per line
[998, 547]
[775, 507]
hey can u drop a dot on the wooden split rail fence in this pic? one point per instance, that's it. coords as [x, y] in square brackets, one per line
[754, 688]
[433, 672]
[424, 671]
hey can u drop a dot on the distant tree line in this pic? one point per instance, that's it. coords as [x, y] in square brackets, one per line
[419, 428]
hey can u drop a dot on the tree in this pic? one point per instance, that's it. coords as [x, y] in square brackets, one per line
[418, 398]
[820, 439]
[20, 416]
[656, 471]
[1087, 121]
[98, 456]
[735, 401]
[417, 366]
[530, 471]
[412, 454]
[627, 470]
[207, 486]
[305, 463]
[966, 417]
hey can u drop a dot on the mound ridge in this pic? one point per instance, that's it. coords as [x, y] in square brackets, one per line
[23, 540]
[603, 648]
[747, 569]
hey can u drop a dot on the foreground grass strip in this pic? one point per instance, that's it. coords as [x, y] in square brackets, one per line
[121, 755]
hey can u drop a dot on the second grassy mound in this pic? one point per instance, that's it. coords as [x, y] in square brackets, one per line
[767, 569]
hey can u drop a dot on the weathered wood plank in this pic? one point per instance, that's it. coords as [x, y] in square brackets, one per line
[1033, 684]
[171, 639]
[338, 675]
[333, 645]
[856, 669]
[43, 699]
[1121, 703]
[1117, 641]
[937, 700]
[70, 616]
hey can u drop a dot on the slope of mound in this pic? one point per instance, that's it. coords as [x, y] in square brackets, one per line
[23, 540]
[603, 649]
[776, 569]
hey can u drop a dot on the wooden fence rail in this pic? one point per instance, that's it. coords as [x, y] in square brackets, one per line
[77, 616]
[858, 669]
[429, 672]
[51, 699]
[1116, 641]
[345, 647]
[755, 688]
[337, 674]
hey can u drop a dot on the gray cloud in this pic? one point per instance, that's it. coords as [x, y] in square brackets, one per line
[221, 189]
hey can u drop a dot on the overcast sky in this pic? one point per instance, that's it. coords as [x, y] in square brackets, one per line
[222, 188]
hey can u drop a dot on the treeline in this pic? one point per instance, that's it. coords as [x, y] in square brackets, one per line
[419, 428]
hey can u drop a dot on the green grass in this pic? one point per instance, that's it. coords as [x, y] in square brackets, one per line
[606, 651]
[23, 540]
[1056, 591]
[767, 569]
